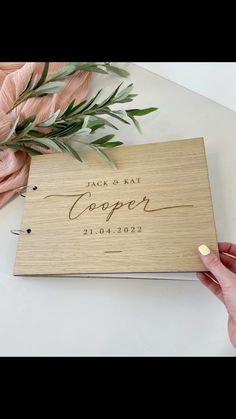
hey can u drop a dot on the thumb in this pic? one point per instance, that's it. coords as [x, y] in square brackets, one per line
[224, 276]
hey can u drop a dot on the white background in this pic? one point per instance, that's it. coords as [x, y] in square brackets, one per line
[76, 316]
[216, 81]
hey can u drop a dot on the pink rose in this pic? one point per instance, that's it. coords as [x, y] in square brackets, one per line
[14, 165]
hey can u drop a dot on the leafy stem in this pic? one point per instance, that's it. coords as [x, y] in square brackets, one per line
[76, 121]
[39, 87]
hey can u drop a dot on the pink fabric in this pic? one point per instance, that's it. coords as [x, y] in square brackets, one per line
[14, 168]
[14, 165]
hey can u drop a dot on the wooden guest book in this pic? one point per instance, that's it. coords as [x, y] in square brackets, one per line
[149, 214]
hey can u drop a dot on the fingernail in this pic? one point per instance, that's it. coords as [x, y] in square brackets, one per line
[204, 250]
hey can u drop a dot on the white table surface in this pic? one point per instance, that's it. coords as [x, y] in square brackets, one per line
[214, 80]
[76, 316]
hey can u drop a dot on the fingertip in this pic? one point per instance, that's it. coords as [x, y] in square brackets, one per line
[222, 275]
[204, 250]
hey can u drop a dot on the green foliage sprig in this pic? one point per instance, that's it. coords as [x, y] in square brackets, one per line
[76, 121]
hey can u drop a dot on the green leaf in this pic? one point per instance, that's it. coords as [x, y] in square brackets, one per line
[61, 125]
[25, 131]
[136, 123]
[66, 147]
[12, 130]
[89, 66]
[123, 94]
[109, 98]
[111, 144]
[27, 85]
[83, 131]
[50, 143]
[95, 69]
[125, 100]
[29, 141]
[34, 81]
[86, 121]
[85, 105]
[69, 108]
[91, 102]
[25, 123]
[49, 88]
[71, 151]
[43, 76]
[74, 110]
[65, 71]
[122, 114]
[70, 129]
[91, 121]
[140, 112]
[27, 150]
[105, 122]
[50, 121]
[78, 64]
[103, 140]
[36, 134]
[120, 71]
[114, 115]
[97, 126]
[82, 64]
[102, 154]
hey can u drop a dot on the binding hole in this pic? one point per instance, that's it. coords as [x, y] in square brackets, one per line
[28, 230]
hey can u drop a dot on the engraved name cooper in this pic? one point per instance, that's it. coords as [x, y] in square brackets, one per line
[77, 208]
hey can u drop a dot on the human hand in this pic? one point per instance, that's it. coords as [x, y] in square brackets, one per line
[221, 279]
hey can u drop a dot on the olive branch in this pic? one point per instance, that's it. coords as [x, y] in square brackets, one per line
[76, 121]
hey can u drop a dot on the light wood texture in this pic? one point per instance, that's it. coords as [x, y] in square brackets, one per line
[172, 175]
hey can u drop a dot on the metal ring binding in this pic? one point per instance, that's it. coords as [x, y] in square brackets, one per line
[18, 232]
[24, 188]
